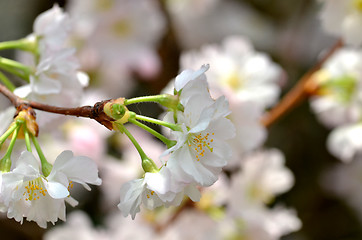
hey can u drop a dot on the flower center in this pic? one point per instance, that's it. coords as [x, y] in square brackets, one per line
[104, 5]
[201, 142]
[34, 189]
[150, 194]
[122, 28]
[234, 81]
[358, 5]
[342, 88]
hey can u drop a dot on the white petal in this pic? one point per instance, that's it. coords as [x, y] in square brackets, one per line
[56, 190]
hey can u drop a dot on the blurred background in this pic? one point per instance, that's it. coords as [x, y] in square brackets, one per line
[289, 31]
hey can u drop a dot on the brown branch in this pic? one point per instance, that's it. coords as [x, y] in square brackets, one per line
[95, 112]
[299, 92]
[15, 100]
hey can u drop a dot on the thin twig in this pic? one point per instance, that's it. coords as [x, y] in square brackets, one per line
[299, 92]
[95, 112]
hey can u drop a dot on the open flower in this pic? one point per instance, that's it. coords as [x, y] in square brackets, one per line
[153, 190]
[201, 150]
[26, 192]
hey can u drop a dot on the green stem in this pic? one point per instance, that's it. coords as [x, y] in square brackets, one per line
[169, 143]
[147, 164]
[5, 164]
[45, 166]
[22, 44]
[7, 82]
[27, 138]
[155, 98]
[172, 126]
[13, 67]
[8, 132]
[13, 140]
[166, 100]
[134, 142]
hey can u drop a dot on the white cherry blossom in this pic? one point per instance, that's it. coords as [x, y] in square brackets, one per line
[26, 192]
[55, 79]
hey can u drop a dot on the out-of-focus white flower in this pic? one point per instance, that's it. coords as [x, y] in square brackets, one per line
[123, 228]
[119, 38]
[263, 175]
[238, 71]
[199, 21]
[78, 226]
[27, 193]
[345, 142]
[52, 28]
[340, 93]
[261, 223]
[205, 228]
[250, 134]
[343, 18]
[190, 8]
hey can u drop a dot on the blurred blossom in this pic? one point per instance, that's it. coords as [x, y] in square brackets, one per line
[263, 175]
[261, 223]
[118, 38]
[340, 88]
[190, 8]
[238, 71]
[344, 19]
[78, 226]
[250, 134]
[217, 19]
[345, 142]
[198, 224]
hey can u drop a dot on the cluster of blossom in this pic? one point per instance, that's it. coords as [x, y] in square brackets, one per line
[55, 79]
[195, 158]
[29, 189]
[246, 195]
[198, 156]
[199, 121]
[251, 82]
